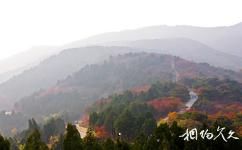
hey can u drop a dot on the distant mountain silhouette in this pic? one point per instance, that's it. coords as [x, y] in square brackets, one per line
[16, 64]
[216, 46]
[188, 49]
[226, 39]
[223, 39]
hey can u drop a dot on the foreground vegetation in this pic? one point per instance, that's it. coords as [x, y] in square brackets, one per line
[162, 137]
[146, 118]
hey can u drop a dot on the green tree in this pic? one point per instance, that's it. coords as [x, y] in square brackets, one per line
[122, 145]
[34, 142]
[125, 124]
[53, 127]
[108, 144]
[4, 143]
[176, 131]
[93, 118]
[163, 136]
[33, 125]
[90, 142]
[72, 139]
[139, 142]
[149, 126]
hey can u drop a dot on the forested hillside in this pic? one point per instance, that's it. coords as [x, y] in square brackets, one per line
[146, 117]
[114, 76]
[122, 112]
[49, 71]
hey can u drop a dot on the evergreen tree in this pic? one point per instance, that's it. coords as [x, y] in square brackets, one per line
[32, 126]
[90, 142]
[4, 144]
[108, 144]
[125, 124]
[177, 142]
[93, 118]
[139, 142]
[54, 127]
[122, 145]
[72, 139]
[163, 136]
[149, 126]
[34, 142]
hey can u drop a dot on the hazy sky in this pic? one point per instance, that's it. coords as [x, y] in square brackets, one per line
[27, 23]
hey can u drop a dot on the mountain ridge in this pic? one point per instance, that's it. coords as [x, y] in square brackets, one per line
[120, 73]
[225, 38]
[187, 49]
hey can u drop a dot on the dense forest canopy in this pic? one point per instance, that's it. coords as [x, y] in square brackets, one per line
[134, 120]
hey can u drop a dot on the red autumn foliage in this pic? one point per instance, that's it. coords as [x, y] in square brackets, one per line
[226, 109]
[166, 105]
[239, 130]
[101, 132]
[191, 70]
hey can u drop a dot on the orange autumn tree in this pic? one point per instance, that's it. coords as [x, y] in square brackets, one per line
[172, 116]
[100, 132]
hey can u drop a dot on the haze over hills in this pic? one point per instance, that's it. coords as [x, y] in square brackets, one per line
[121, 75]
[16, 64]
[58, 67]
[223, 39]
[215, 46]
[49, 71]
[226, 39]
[114, 76]
[188, 49]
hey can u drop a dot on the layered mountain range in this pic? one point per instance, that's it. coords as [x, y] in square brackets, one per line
[115, 75]
[219, 39]
[69, 78]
